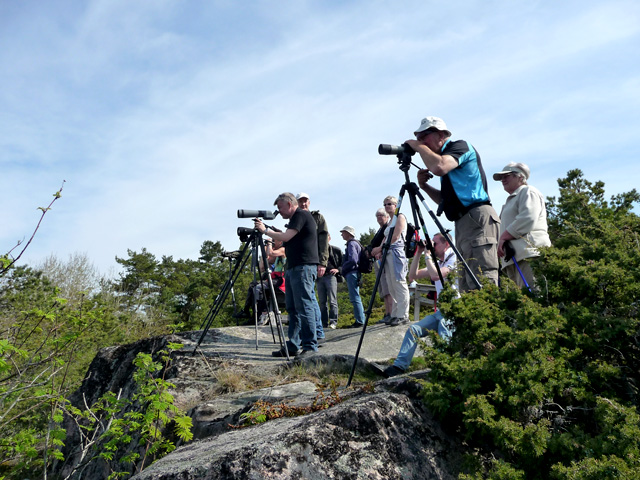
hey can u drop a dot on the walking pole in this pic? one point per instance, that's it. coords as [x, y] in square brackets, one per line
[509, 252]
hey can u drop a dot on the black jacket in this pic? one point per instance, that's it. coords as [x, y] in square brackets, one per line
[335, 261]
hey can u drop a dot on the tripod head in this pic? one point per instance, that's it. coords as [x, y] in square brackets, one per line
[404, 153]
[246, 234]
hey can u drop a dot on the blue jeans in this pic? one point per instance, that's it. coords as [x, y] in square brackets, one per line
[328, 293]
[354, 296]
[301, 305]
[436, 322]
[318, 314]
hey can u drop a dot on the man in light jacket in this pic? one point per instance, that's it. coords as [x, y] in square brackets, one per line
[523, 223]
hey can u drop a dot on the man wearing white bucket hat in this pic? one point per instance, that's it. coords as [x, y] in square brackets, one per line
[463, 196]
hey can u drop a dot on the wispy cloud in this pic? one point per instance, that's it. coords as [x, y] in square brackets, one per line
[165, 117]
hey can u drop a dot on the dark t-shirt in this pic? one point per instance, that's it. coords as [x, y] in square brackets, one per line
[302, 249]
[378, 237]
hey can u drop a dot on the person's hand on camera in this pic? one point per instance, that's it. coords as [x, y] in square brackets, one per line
[424, 176]
[258, 225]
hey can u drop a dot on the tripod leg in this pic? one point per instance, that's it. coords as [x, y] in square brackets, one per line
[383, 264]
[272, 296]
[446, 235]
[233, 295]
[219, 301]
[420, 223]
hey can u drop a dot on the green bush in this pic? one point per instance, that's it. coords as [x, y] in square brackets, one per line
[546, 386]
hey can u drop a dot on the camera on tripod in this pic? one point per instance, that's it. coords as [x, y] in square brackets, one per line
[245, 233]
[267, 215]
[404, 149]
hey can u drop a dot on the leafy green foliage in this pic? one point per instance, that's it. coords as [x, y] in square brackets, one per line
[133, 431]
[546, 387]
[541, 386]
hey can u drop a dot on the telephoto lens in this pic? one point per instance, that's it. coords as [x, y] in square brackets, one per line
[384, 149]
[267, 215]
[244, 232]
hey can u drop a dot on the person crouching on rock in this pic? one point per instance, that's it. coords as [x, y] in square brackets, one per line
[447, 263]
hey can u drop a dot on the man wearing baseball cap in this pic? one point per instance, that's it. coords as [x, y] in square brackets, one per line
[323, 251]
[463, 196]
[524, 224]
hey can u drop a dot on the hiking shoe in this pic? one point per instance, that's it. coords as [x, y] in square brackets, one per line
[392, 371]
[386, 319]
[282, 353]
[378, 369]
[356, 325]
[395, 321]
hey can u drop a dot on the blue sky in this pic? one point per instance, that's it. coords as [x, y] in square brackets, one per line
[166, 116]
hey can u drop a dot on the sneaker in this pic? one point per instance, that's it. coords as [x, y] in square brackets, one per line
[392, 371]
[395, 321]
[282, 353]
[265, 318]
[333, 325]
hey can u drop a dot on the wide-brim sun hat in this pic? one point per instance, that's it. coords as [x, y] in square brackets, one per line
[349, 230]
[432, 123]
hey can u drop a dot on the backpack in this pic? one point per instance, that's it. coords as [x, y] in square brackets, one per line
[411, 243]
[365, 263]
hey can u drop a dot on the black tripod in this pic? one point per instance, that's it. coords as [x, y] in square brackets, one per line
[404, 160]
[231, 256]
[254, 249]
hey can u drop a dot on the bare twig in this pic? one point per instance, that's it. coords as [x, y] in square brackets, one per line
[56, 196]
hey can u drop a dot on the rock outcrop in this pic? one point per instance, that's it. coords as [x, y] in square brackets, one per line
[374, 436]
[381, 432]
